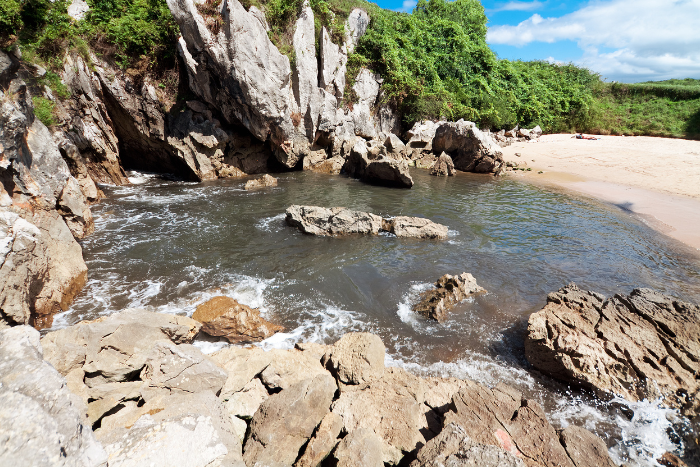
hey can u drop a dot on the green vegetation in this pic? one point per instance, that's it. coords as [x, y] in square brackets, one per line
[43, 110]
[435, 63]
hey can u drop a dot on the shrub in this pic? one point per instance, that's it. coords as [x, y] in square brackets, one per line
[43, 110]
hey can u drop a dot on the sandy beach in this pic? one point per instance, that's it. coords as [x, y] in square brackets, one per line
[658, 179]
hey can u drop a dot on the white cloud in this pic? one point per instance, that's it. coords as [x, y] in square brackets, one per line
[520, 6]
[645, 39]
[408, 6]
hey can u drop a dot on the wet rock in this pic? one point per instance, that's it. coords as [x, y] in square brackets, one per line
[639, 346]
[262, 182]
[357, 358]
[285, 421]
[184, 430]
[332, 221]
[449, 290]
[584, 448]
[114, 348]
[452, 447]
[443, 167]
[471, 149]
[361, 448]
[181, 368]
[671, 460]
[225, 317]
[42, 267]
[41, 422]
[414, 227]
[323, 442]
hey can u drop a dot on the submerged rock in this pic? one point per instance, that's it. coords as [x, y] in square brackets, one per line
[262, 182]
[317, 220]
[449, 290]
[639, 346]
[225, 317]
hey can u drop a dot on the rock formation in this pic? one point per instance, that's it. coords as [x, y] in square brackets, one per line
[448, 291]
[443, 167]
[317, 220]
[225, 317]
[639, 346]
[471, 149]
[262, 182]
[153, 398]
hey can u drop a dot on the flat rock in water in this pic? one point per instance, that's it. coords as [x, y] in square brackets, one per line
[225, 317]
[262, 182]
[338, 221]
[449, 290]
[641, 346]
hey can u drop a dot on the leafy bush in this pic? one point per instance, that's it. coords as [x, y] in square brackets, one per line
[10, 17]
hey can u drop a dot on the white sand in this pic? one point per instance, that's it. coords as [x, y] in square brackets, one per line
[657, 178]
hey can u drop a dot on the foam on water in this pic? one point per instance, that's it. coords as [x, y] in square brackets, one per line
[404, 311]
[272, 223]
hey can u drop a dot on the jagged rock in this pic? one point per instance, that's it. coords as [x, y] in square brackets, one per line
[8, 67]
[415, 227]
[333, 65]
[584, 448]
[323, 442]
[640, 346]
[305, 86]
[244, 403]
[387, 120]
[453, 448]
[357, 358]
[73, 206]
[361, 448]
[394, 144]
[287, 368]
[366, 88]
[77, 9]
[262, 182]
[443, 167]
[389, 172]
[471, 150]
[315, 157]
[392, 406]
[240, 428]
[421, 136]
[225, 317]
[332, 221]
[536, 132]
[41, 267]
[185, 430]
[285, 421]
[242, 365]
[181, 368]
[114, 348]
[77, 167]
[449, 290]
[41, 422]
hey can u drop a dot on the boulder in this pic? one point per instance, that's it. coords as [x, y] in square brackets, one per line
[114, 348]
[323, 442]
[388, 172]
[332, 221]
[262, 182]
[360, 448]
[41, 422]
[584, 448]
[639, 346]
[288, 367]
[242, 366]
[448, 291]
[443, 167]
[332, 166]
[501, 417]
[536, 132]
[420, 137]
[394, 145]
[244, 403]
[181, 368]
[414, 227]
[180, 429]
[225, 317]
[286, 421]
[357, 358]
[471, 149]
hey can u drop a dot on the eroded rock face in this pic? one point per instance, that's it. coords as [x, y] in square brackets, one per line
[316, 220]
[471, 149]
[640, 346]
[41, 422]
[225, 317]
[449, 290]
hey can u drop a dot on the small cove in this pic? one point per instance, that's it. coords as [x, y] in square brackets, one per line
[168, 246]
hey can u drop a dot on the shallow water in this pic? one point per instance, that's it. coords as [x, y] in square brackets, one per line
[169, 246]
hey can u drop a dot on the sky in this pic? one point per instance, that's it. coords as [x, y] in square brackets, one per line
[623, 40]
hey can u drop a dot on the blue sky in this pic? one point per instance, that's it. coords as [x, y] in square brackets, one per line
[623, 40]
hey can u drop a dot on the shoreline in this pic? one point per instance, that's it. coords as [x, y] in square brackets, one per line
[656, 179]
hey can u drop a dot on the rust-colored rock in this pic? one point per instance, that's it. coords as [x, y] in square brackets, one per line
[449, 290]
[225, 317]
